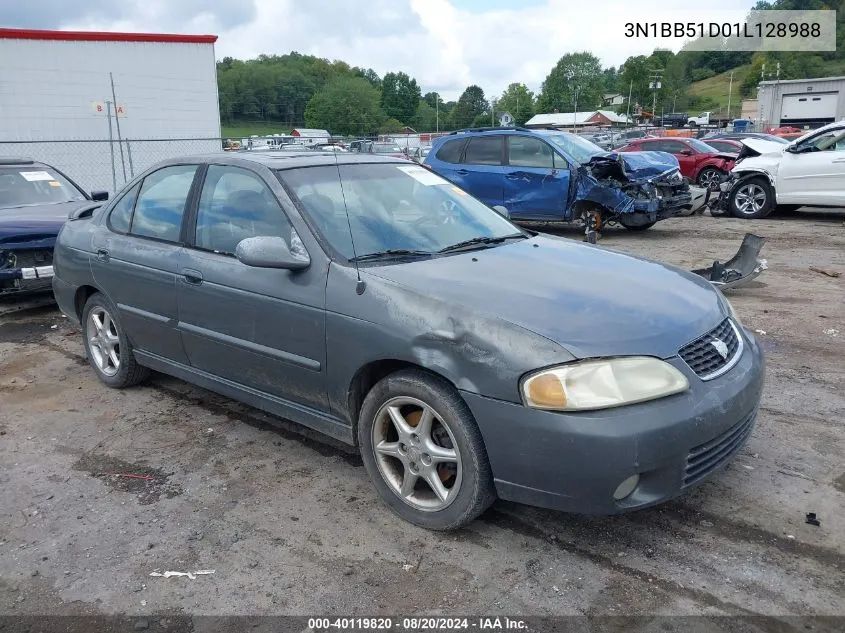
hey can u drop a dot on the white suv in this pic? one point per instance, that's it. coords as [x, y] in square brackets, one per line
[808, 171]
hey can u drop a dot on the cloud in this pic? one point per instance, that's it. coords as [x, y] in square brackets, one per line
[445, 44]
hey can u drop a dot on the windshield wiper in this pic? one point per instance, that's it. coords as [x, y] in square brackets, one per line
[391, 252]
[480, 241]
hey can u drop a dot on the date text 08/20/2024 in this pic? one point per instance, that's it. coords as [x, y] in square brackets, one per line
[420, 623]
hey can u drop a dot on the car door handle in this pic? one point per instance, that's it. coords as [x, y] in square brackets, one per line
[462, 172]
[192, 276]
[514, 175]
[102, 255]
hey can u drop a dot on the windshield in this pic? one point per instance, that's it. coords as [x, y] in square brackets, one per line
[35, 185]
[391, 207]
[701, 146]
[577, 147]
[386, 149]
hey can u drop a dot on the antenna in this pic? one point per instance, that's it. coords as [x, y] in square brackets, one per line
[360, 286]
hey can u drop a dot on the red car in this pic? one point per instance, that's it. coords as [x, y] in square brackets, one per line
[701, 163]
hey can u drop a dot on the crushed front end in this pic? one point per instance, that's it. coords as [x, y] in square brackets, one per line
[26, 265]
[637, 188]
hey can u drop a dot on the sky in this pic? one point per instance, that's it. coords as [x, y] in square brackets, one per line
[445, 44]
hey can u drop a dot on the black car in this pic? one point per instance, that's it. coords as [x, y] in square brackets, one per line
[35, 201]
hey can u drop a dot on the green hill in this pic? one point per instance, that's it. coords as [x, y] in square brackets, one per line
[713, 91]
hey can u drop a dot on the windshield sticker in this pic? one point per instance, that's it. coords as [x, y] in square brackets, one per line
[54, 183]
[32, 176]
[422, 175]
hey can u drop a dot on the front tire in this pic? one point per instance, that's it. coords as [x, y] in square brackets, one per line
[107, 346]
[423, 450]
[751, 199]
[709, 178]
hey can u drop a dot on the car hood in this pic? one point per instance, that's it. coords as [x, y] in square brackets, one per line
[591, 301]
[762, 146]
[639, 166]
[41, 220]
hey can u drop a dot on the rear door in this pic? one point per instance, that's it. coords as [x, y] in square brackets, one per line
[137, 253]
[482, 172]
[446, 161]
[676, 148]
[536, 179]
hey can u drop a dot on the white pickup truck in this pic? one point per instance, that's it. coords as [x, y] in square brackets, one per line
[706, 118]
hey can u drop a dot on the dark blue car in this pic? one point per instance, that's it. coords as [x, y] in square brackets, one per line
[548, 175]
[35, 201]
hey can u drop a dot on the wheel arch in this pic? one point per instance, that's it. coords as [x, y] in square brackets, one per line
[81, 297]
[371, 373]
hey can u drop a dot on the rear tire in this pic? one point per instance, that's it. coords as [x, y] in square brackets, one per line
[107, 346]
[414, 428]
[751, 199]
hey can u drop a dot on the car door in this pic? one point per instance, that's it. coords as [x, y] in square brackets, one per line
[687, 161]
[536, 181]
[137, 253]
[482, 172]
[263, 328]
[814, 174]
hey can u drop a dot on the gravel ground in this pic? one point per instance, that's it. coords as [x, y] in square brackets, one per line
[290, 524]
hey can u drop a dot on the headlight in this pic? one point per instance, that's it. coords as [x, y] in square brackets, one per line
[600, 384]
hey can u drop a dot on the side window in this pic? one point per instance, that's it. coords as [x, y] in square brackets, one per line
[120, 217]
[236, 204]
[321, 194]
[161, 203]
[524, 151]
[673, 147]
[451, 151]
[484, 150]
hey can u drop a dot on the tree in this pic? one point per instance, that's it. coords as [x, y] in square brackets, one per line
[400, 96]
[431, 98]
[609, 79]
[345, 105]
[519, 101]
[425, 119]
[470, 104]
[575, 83]
[634, 77]
[391, 126]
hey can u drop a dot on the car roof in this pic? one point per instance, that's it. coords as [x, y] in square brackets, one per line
[20, 161]
[286, 159]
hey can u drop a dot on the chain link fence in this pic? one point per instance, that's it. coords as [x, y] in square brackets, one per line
[107, 165]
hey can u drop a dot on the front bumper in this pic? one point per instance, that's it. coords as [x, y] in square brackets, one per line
[575, 462]
[27, 279]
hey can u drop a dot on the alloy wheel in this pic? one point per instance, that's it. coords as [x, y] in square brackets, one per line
[103, 341]
[709, 179]
[416, 454]
[750, 198]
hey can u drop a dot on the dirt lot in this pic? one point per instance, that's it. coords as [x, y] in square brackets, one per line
[291, 525]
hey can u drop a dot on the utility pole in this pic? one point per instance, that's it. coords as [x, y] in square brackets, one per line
[655, 85]
[437, 110]
[730, 91]
[630, 91]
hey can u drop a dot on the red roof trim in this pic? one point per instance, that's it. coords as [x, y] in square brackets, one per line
[102, 36]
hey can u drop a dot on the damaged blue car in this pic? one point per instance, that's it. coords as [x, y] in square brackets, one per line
[553, 176]
[35, 201]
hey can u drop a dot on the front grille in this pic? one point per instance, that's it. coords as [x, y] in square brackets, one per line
[705, 458]
[704, 357]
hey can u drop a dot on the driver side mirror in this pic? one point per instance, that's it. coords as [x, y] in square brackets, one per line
[99, 196]
[502, 211]
[685, 152]
[270, 252]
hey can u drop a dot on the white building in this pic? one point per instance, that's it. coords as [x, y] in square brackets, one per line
[56, 95]
[806, 103]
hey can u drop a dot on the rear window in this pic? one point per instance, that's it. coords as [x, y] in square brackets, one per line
[32, 185]
[451, 150]
[484, 150]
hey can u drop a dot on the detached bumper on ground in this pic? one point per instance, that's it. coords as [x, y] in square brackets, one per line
[578, 462]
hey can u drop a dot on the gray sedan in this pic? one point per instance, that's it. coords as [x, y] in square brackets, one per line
[371, 300]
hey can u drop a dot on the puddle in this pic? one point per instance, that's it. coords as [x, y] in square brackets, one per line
[147, 483]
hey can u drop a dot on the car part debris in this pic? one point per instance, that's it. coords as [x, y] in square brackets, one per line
[739, 269]
[190, 574]
[827, 273]
[812, 519]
